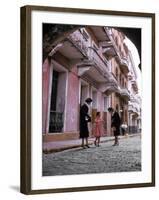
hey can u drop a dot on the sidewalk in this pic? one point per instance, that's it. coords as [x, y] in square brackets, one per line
[50, 147]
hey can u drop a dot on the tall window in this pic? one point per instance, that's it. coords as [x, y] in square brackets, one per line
[56, 118]
[107, 103]
[54, 90]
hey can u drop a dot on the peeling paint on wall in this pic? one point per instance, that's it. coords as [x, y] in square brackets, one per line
[72, 113]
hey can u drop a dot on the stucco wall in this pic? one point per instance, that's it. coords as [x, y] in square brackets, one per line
[72, 103]
[99, 101]
[61, 91]
[45, 93]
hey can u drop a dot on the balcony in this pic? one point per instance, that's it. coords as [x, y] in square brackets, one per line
[108, 48]
[130, 76]
[56, 122]
[101, 64]
[130, 108]
[124, 65]
[99, 33]
[134, 85]
[96, 68]
[109, 87]
[125, 93]
[94, 55]
[134, 108]
[109, 51]
[134, 100]
[77, 39]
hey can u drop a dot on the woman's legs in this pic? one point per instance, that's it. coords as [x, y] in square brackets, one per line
[95, 141]
[87, 142]
[116, 140]
[98, 141]
[116, 133]
[83, 142]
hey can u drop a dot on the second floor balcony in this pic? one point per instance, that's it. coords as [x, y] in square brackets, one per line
[124, 65]
[124, 93]
[108, 49]
[133, 109]
[109, 87]
[133, 99]
[77, 40]
[134, 85]
[113, 49]
[97, 58]
[89, 52]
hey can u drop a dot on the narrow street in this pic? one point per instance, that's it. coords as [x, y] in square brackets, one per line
[104, 159]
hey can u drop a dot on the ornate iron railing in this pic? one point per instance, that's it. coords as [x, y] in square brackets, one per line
[77, 39]
[56, 122]
[124, 91]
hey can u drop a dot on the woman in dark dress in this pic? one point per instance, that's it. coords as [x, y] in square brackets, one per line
[84, 119]
[115, 124]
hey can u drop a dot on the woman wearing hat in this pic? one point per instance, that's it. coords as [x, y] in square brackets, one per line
[115, 124]
[84, 119]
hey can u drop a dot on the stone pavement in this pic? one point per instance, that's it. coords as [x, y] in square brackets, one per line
[104, 159]
[56, 146]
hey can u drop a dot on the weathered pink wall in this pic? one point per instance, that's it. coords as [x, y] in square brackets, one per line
[72, 107]
[45, 93]
[84, 93]
[100, 101]
[61, 91]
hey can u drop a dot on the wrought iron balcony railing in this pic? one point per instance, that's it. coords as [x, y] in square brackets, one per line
[122, 60]
[134, 108]
[94, 55]
[78, 40]
[125, 93]
[56, 122]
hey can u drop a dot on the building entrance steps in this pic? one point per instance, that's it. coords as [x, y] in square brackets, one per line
[56, 146]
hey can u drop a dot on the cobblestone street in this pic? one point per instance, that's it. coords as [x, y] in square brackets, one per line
[103, 159]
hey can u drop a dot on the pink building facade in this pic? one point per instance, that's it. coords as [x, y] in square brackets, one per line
[88, 63]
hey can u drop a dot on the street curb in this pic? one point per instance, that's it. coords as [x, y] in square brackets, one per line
[53, 150]
[47, 151]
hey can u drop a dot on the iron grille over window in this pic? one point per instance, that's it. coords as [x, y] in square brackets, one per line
[54, 90]
[56, 122]
[56, 118]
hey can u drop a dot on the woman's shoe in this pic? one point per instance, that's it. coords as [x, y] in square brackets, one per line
[95, 143]
[115, 144]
